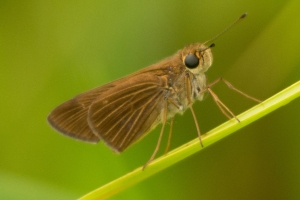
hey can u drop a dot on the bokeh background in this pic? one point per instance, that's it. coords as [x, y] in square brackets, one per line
[51, 51]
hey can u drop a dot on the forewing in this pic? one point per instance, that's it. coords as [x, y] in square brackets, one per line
[119, 112]
[128, 111]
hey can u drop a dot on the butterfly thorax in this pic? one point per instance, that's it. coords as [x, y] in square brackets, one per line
[186, 85]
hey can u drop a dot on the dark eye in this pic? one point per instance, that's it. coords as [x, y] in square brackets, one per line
[191, 61]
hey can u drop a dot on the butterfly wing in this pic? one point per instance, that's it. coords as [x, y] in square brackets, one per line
[119, 113]
[70, 118]
[122, 114]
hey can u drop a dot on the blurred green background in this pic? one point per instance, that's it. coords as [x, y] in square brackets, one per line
[51, 51]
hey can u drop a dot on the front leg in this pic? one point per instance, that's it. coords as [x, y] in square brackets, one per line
[188, 96]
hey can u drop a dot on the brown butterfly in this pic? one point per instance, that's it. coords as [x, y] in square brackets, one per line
[123, 111]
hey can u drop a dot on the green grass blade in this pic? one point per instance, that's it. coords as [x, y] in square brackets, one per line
[269, 105]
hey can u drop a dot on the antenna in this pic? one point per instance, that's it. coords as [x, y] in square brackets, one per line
[226, 29]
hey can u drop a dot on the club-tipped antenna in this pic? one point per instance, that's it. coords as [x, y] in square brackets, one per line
[226, 29]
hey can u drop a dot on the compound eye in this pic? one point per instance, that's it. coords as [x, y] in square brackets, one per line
[191, 61]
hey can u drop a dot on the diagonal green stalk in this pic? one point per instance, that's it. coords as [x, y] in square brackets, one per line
[258, 111]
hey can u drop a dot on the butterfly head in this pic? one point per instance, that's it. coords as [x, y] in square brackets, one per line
[197, 57]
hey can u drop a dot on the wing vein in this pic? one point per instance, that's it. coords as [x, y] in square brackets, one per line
[136, 119]
[123, 97]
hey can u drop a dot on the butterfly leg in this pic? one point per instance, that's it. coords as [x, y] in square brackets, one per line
[233, 88]
[188, 94]
[170, 135]
[164, 120]
[221, 105]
